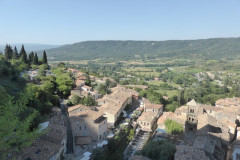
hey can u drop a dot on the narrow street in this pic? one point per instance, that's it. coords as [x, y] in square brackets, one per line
[69, 129]
[136, 144]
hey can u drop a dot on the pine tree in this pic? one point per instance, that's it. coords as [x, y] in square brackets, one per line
[30, 58]
[23, 54]
[15, 53]
[8, 52]
[44, 57]
[35, 59]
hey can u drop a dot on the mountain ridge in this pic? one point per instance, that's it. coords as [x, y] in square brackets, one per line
[212, 48]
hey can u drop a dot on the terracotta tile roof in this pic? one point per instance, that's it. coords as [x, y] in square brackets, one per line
[179, 119]
[147, 116]
[208, 107]
[84, 93]
[78, 108]
[79, 82]
[181, 110]
[164, 117]
[114, 101]
[153, 106]
[227, 102]
[229, 123]
[84, 112]
[82, 77]
[185, 152]
[48, 144]
[87, 87]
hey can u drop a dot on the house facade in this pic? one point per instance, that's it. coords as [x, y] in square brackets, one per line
[88, 124]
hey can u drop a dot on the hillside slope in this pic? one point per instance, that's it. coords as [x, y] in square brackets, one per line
[216, 48]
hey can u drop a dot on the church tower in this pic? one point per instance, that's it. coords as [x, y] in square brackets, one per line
[192, 116]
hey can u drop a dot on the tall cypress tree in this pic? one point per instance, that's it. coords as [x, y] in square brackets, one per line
[23, 54]
[35, 59]
[8, 52]
[44, 57]
[15, 53]
[30, 58]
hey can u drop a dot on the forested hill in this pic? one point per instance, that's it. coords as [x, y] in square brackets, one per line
[216, 48]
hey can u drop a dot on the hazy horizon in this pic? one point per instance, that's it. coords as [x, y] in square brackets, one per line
[27, 43]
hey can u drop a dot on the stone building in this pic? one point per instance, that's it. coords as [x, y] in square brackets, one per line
[112, 105]
[88, 125]
[192, 116]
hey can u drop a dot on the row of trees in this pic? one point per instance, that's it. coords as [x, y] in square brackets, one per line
[32, 58]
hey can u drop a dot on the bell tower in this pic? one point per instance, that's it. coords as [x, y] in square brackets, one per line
[192, 116]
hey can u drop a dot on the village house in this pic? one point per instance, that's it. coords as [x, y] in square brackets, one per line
[112, 105]
[150, 107]
[52, 144]
[79, 84]
[211, 110]
[81, 77]
[92, 78]
[150, 114]
[86, 88]
[146, 120]
[88, 125]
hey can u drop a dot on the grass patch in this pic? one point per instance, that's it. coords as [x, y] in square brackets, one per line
[169, 93]
[157, 83]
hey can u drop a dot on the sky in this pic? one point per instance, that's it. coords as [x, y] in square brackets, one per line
[70, 21]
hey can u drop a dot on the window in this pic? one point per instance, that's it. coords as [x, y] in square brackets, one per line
[191, 110]
[189, 118]
[79, 127]
[147, 123]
